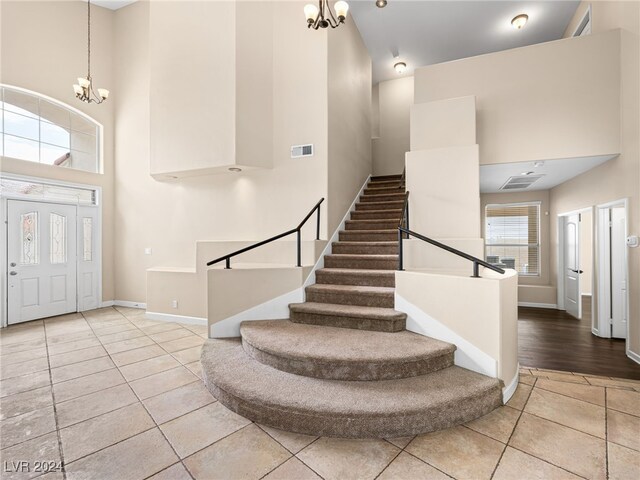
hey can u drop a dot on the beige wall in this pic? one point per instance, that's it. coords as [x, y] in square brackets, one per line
[349, 117]
[620, 177]
[252, 205]
[391, 131]
[531, 289]
[46, 56]
[577, 79]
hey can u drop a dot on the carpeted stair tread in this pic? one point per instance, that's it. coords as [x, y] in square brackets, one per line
[368, 235]
[372, 224]
[346, 276]
[385, 197]
[348, 316]
[376, 214]
[394, 205]
[343, 354]
[359, 409]
[351, 295]
[385, 178]
[370, 248]
[356, 261]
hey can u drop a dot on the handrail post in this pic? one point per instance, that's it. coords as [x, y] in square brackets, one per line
[400, 266]
[318, 224]
[407, 213]
[476, 273]
[299, 235]
[227, 263]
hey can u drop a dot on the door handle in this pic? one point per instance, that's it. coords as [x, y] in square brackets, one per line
[13, 272]
[576, 271]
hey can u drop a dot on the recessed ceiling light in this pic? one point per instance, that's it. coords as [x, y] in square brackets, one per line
[400, 67]
[235, 169]
[381, 3]
[519, 21]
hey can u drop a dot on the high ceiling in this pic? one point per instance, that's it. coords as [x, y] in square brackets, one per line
[425, 32]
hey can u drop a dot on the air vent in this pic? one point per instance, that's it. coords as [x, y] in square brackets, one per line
[520, 182]
[298, 151]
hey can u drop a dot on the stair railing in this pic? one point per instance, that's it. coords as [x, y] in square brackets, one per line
[405, 232]
[227, 258]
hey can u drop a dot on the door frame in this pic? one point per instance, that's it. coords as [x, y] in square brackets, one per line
[602, 250]
[4, 232]
[561, 260]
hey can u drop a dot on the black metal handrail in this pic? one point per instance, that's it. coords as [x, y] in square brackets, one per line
[403, 178]
[402, 231]
[298, 229]
[404, 219]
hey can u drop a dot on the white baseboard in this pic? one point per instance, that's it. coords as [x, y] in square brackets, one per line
[126, 303]
[538, 305]
[168, 317]
[509, 390]
[633, 356]
[123, 303]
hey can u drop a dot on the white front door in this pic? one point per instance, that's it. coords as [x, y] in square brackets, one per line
[618, 274]
[572, 301]
[42, 260]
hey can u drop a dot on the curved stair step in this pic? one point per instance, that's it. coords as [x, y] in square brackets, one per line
[346, 276]
[348, 316]
[343, 354]
[338, 408]
[365, 296]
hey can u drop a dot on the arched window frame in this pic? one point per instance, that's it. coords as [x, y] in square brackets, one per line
[99, 154]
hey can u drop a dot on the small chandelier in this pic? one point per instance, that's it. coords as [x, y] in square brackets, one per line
[84, 88]
[316, 15]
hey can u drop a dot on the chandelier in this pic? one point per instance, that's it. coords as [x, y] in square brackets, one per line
[84, 88]
[322, 16]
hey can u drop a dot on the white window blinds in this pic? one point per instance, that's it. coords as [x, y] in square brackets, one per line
[512, 237]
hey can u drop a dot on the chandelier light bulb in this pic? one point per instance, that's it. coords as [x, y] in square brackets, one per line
[77, 89]
[519, 21]
[381, 3]
[104, 93]
[341, 7]
[400, 67]
[311, 12]
[84, 82]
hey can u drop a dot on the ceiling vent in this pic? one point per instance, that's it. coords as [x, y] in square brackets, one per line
[520, 182]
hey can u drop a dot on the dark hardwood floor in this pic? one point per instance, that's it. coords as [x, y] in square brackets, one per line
[555, 340]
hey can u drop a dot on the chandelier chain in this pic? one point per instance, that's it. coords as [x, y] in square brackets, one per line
[88, 39]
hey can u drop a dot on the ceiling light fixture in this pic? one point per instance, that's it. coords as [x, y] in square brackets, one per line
[84, 88]
[400, 67]
[316, 15]
[519, 21]
[381, 3]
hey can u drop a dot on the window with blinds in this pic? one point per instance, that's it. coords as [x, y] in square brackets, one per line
[512, 237]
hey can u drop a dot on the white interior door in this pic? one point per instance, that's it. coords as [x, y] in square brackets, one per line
[618, 274]
[572, 301]
[42, 256]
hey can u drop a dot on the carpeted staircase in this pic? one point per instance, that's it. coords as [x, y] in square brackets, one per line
[369, 377]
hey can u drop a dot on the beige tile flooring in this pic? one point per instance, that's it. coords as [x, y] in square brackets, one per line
[112, 395]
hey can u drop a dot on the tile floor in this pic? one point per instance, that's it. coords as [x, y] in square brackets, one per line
[112, 395]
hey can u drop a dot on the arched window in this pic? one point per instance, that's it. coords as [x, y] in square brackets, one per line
[39, 129]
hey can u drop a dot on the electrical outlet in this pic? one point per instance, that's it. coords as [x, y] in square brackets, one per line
[174, 303]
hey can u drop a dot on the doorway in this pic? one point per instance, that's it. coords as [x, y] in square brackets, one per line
[612, 265]
[575, 263]
[52, 260]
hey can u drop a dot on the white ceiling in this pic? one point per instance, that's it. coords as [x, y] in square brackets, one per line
[492, 177]
[424, 32]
